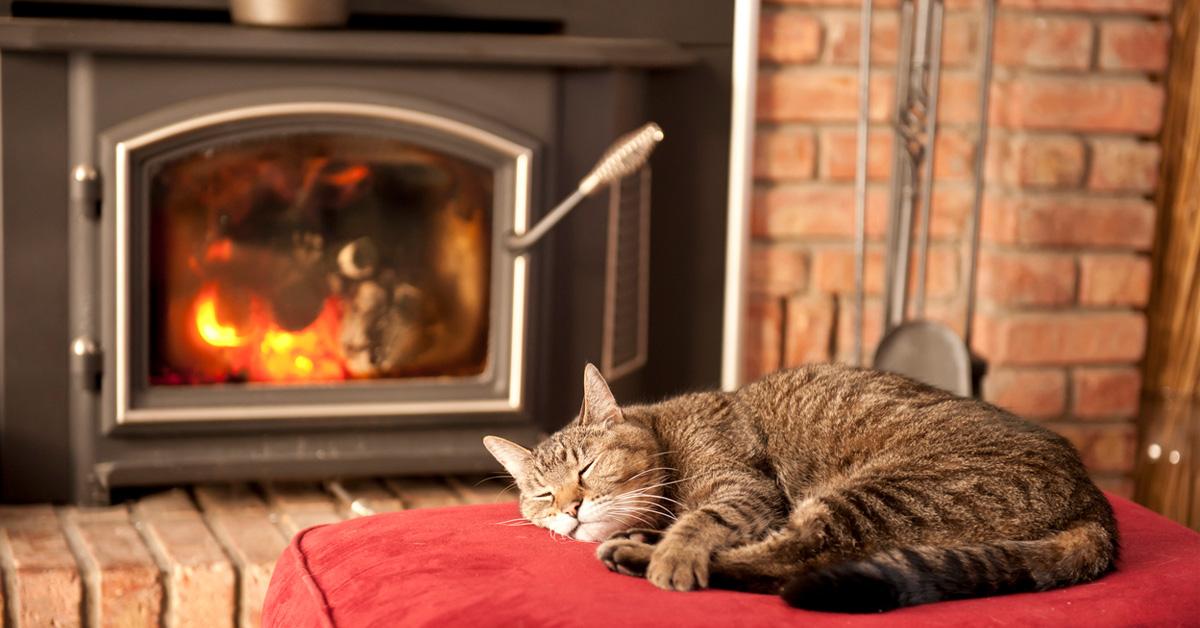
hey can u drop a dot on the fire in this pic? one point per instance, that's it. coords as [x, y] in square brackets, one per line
[211, 329]
[259, 350]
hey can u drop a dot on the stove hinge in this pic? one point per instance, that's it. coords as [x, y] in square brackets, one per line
[87, 363]
[85, 190]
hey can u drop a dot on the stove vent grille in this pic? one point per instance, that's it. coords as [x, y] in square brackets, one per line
[627, 275]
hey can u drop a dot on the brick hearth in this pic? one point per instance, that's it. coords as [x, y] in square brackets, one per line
[1068, 221]
[196, 557]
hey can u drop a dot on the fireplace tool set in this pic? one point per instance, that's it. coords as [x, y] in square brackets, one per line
[916, 347]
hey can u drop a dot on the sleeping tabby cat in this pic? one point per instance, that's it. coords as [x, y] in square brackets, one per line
[844, 489]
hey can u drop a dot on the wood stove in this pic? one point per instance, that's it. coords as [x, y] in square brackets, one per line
[284, 255]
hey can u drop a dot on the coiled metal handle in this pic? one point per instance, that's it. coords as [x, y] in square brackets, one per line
[624, 157]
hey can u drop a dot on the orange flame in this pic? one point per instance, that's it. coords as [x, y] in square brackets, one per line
[264, 352]
[212, 330]
[349, 176]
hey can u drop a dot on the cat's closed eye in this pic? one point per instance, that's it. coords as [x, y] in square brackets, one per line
[586, 470]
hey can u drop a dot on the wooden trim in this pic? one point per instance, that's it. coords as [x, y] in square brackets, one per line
[1173, 353]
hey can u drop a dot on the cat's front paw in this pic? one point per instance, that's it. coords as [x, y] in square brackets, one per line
[625, 556]
[678, 568]
[641, 535]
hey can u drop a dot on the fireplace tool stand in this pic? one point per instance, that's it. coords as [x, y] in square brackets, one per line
[924, 350]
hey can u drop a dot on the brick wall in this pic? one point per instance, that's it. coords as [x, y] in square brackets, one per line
[1064, 272]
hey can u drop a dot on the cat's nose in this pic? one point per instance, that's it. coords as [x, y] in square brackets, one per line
[572, 508]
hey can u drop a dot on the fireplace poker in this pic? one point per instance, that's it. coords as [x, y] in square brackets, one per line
[624, 157]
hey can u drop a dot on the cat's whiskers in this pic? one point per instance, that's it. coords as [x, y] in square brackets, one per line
[638, 475]
[646, 492]
[635, 514]
[654, 508]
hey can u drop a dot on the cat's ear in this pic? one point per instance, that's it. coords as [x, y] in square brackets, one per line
[598, 401]
[512, 456]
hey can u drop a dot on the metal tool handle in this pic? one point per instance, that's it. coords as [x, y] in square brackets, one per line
[624, 157]
[860, 173]
[985, 82]
[931, 132]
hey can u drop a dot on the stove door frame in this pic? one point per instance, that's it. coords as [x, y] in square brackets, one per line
[126, 147]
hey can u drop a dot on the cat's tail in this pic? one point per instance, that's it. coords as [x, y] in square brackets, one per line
[918, 575]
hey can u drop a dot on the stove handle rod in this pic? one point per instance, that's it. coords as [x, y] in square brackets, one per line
[624, 157]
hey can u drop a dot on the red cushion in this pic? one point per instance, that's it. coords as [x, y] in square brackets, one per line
[457, 567]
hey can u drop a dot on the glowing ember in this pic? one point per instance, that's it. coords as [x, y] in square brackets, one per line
[263, 351]
[211, 329]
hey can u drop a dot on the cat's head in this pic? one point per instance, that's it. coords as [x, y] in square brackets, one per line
[600, 474]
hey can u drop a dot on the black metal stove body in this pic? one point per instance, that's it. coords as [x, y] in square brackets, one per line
[93, 115]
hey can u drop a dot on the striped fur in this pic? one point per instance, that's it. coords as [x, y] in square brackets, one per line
[843, 489]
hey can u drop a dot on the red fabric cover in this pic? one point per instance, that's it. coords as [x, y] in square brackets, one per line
[457, 567]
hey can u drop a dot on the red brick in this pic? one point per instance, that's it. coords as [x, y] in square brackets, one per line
[763, 333]
[1038, 41]
[808, 330]
[812, 210]
[959, 42]
[1068, 220]
[1124, 165]
[958, 100]
[954, 156]
[1104, 448]
[833, 271]
[121, 577]
[1148, 7]
[778, 269]
[1114, 280]
[821, 210]
[200, 580]
[1134, 45]
[43, 584]
[1000, 219]
[824, 95]
[839, 153]
[789, 37]
[1032, 161]
[1105, 393]
[1026, 278]
[1060, 337]
[1079, 104]
[1035, 393]
[784, 154]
